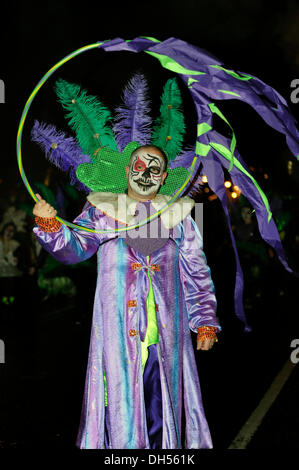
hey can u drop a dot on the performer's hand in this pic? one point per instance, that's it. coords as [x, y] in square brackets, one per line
[43, 209]
[205, 344]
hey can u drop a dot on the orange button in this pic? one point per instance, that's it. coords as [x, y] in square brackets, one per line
[133, 332]
[155, 267]
[132, 303]
[135, 266]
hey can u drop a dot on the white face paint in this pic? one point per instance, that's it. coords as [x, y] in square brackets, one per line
[146, 171]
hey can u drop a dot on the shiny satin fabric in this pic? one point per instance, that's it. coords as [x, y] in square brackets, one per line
[185, 296]
[153, 398]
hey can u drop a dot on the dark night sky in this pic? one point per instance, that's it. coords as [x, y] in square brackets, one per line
[251, 37]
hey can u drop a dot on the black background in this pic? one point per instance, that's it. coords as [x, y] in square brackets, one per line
[252, 37]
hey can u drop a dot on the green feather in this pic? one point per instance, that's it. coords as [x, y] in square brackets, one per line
[169, 127]
[87, 117]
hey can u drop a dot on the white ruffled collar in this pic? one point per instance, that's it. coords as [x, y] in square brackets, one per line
[122, 208]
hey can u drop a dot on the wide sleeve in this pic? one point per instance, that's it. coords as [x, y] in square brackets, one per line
[72, 245]
[199, 289]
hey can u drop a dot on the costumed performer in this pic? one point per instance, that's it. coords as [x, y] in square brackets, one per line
[141, 350]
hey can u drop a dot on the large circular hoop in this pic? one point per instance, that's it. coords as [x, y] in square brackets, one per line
[43, 80]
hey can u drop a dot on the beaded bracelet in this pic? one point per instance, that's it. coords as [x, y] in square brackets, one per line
[48, 224]
[207, 332]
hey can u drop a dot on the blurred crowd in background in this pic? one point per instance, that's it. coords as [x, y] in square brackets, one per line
[32, 283]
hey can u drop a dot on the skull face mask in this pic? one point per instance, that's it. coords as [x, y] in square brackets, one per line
[146, 171]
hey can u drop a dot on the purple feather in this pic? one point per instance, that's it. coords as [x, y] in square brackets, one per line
[63, 151]
[132, 120]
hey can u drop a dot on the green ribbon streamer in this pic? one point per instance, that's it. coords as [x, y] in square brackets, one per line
[172, 65]
[200, 148]
[230, 93]
[217, 111]
[203, 149]
[227, 154]
[242, 77]
[190, 81]
[150, 38]
[202, 128]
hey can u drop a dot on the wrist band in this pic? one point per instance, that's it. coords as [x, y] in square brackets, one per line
[48, 224]
[207, 332]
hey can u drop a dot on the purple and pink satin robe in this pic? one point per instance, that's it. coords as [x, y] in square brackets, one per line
[185, 298]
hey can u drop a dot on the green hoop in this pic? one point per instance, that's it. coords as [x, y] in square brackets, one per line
[19, 150]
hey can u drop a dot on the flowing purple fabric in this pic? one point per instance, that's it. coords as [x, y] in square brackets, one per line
[185, 298]
[271, 106]
[208, 80]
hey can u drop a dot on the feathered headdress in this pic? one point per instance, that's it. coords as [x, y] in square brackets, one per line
[96, 159]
